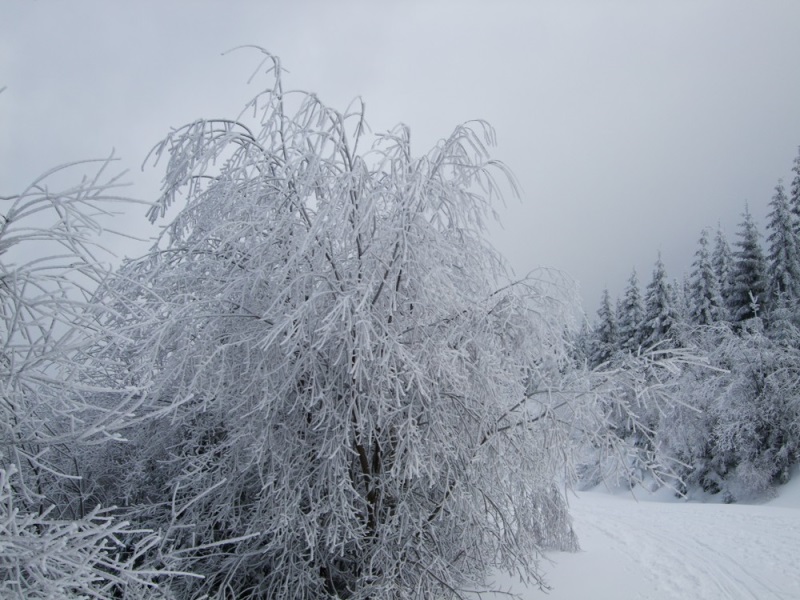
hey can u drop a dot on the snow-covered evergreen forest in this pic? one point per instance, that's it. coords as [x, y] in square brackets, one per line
[736, 428]
[322, 381]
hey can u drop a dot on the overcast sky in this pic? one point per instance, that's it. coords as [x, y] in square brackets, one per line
[631, 125]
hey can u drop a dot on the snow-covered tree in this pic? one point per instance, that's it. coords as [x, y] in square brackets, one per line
[783, 256]
[660, 315]
[682, 293]
[606, 335]
[630, 396]
[794, 194]
[582, 343]
[755, 410]
[706, 303]
[722, 261]
[347, 387]
[749, 288]
[630, 316]
[53, 543]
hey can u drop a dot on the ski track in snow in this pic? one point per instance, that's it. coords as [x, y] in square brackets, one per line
[649, 550]
[710, 551]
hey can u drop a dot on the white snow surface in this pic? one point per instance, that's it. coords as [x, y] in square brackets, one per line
[660, 548]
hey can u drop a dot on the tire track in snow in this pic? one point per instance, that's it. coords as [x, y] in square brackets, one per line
[698, 550]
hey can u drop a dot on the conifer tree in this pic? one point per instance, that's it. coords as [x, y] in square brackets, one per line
[682, 294]
[706, 305]
[722, 262]
[749, 273]
[660, 315]
[606, 334]
[630, 316]
[783, 259]
[794, 194]
[583, 344]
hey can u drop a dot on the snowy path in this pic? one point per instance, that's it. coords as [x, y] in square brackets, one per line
[651, 550]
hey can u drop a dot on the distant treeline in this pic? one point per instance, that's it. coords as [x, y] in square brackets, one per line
[736, 428]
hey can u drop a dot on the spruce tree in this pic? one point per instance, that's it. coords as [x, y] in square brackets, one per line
[706, 305]
[660, 314]
[722, 261]
[682, 294]
[749, 273]
[630, 316]
[783, 259]
[794, 194]
[606, 333]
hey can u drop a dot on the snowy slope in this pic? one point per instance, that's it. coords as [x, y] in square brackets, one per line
[659, 550]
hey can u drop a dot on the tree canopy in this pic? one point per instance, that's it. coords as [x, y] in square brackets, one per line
[343, 369]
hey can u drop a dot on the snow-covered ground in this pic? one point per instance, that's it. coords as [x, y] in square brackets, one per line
[658, 549]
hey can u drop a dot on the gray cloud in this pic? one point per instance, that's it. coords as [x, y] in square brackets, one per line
[630, 125]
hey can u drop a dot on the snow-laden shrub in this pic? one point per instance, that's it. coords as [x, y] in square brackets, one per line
[618, 417]
[344, 391]
[739, 432]
[43, 557]
[55, 543]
